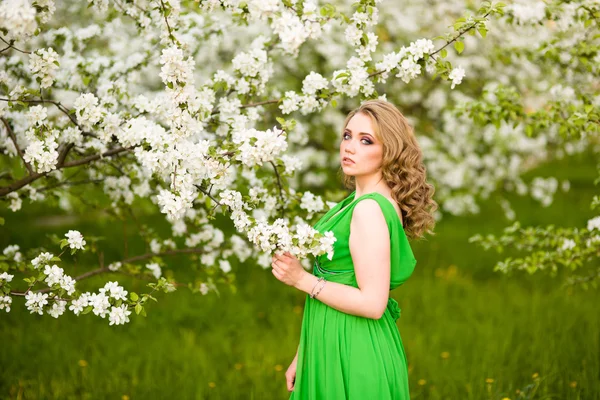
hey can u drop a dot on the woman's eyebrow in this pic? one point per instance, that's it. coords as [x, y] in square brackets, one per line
[360, 133]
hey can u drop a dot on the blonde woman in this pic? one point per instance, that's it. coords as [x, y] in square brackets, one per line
[350, 347]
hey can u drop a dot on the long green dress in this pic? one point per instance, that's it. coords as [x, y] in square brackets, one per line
[344, 356]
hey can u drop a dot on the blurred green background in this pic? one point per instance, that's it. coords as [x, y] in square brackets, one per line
[469, 333]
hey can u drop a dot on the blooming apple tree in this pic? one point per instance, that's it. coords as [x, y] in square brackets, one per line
[216, 107]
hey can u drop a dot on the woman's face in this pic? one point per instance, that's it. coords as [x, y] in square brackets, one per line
[359, 144]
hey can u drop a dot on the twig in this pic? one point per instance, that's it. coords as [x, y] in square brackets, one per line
[11, 45]
[14, 140]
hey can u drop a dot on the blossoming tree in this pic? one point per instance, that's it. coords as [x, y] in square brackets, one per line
[228, 107]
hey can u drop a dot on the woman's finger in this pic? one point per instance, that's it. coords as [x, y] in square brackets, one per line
[277, 267]
[277, 274]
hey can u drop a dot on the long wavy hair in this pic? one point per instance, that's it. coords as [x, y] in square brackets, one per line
[402, 166]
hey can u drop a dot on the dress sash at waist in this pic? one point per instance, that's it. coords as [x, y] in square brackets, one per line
[347, 277]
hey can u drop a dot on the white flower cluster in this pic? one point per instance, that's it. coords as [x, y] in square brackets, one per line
[306, 104]
[356, 31]
[5, 277]
[314, 82]
[43, 64]
[311, 203]
[255, 68]
[75, 240]
[257, 147]
[17, 17]
[406, 60]
[15, 201]
[155, 269]
[225, 266]
[260, 9]
[58, 308]
[543, 189]
[45, 9]
[353, 80]
[119, 188]
[42, 154]
[176, 205]
[529, 12]
[12, 251]
[594, 224]
[100, 303]
[568, 244]
[5, 302]
[456, 75]
[37, 116]
[175, 70]
[278, 236]
[87, 110]
[115, 291]
[293, 31]
[55, 275]
[35, 302]
[42, 260]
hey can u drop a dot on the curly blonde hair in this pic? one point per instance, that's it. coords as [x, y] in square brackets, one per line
[402, 166]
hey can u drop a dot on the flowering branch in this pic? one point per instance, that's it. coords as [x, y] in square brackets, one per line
[31, 178]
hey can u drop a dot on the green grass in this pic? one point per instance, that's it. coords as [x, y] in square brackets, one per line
[461, 323]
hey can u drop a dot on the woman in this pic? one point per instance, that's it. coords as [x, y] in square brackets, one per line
[350, 346]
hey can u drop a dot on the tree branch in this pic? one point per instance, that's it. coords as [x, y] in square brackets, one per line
[58, 105]
[30, 178]
[14, 140]
[141, 257]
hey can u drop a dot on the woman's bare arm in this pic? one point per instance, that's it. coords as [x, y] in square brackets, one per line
[370, 250]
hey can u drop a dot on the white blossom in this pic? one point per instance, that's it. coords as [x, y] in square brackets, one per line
[119, 315]
[75, 240]
[58, 308]
[568, 244]
[593, 223]
[35, 302]
[456, 75]
[42, 260]
[225, 266]
[5, 302]
[18, 18]
[44, 64]
[155, 269]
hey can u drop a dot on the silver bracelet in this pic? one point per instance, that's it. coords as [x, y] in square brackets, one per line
[321, 288]
[312, 296]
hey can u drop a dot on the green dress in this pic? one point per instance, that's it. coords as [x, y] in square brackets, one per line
[344, 356]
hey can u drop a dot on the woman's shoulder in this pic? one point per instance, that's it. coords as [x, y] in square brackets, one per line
[372, 204]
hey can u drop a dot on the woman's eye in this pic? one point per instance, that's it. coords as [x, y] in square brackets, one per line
[366, 140]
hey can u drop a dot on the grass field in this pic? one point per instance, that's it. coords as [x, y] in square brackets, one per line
[469, 333]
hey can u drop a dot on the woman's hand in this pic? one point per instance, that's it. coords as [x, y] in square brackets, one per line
[290, 374]
[287, 268]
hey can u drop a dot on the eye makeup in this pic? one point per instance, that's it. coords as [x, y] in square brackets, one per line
[346, 133]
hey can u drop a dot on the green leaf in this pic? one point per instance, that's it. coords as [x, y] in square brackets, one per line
[443, 53]
[133, 296]
[138, 308]
[459, 46]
